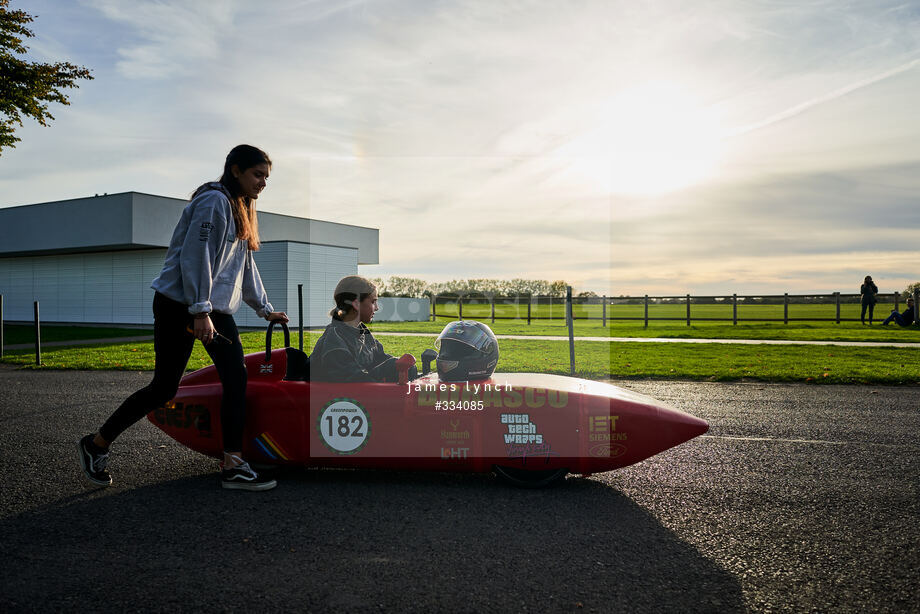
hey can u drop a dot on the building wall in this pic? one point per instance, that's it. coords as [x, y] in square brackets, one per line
[105, 288]
[319, 268]
[114, 287]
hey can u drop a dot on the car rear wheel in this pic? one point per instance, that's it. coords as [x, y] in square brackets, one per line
[530, 478]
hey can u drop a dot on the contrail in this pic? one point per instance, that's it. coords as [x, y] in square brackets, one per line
[808, 104]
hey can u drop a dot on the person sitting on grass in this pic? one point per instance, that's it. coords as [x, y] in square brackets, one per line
[905, 318]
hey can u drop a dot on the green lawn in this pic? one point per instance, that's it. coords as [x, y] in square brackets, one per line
[665, 312]
[797, 331]
[15, 334]
[595, 360]
[794, 331]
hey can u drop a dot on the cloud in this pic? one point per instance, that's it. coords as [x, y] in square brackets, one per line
[825, 98]
[475, 134]
[168, 39]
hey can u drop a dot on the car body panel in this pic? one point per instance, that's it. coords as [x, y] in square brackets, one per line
[522, 420]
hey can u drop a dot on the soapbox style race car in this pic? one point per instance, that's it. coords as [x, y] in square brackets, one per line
[531, 429]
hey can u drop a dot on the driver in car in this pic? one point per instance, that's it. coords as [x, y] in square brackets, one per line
[347, 351]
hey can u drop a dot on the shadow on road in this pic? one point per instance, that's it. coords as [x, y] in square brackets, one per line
[356, 540]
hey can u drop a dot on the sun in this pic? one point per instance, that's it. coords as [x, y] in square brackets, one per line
[647, 140]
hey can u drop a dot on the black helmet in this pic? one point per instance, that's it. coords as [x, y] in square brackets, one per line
[467, 350]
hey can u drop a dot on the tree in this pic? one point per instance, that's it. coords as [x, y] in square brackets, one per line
[26, 88]
[406, 286]
[558, 288]
[381, 286]
[909, 291]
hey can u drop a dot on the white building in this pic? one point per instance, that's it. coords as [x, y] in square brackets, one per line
[91, 260]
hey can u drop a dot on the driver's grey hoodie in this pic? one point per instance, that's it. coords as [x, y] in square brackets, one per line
[207, 267]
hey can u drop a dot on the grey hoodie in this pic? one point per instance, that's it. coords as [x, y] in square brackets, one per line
[207, 267]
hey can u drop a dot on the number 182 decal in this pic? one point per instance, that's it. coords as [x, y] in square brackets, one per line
[344, 426]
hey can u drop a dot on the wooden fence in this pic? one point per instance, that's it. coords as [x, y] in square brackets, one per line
[732, 308]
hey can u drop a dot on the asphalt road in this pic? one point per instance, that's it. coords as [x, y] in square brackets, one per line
[800, 498]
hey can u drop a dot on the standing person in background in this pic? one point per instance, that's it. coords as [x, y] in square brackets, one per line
[209, 268]
[868, 290]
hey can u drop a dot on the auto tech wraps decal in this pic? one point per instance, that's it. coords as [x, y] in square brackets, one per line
[523, 438]
[344, 426]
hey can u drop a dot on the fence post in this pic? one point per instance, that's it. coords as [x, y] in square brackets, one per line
[460, 307]
[735, 309]
[837, 301]
[917, 306]
[529, 303]
[646, 311]
[493, 309]
[1, 326]
[300, 313]
[604, 312]
[434, 308]
[688, 310]
[897, 295]
[785, 308]
[38, 337]
[570, 317]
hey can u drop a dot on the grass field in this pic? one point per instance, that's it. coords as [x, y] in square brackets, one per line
[665, 312]
[16, 334]
[593, 359]
[797, 331]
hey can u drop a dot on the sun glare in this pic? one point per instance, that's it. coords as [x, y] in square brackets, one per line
[648, 140]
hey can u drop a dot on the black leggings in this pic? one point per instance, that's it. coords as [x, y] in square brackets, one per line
[871, 307]
[173, 346]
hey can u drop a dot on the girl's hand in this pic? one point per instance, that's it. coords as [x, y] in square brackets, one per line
[277, 315]
[204, 330]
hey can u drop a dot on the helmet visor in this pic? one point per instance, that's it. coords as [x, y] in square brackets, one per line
[472, 336]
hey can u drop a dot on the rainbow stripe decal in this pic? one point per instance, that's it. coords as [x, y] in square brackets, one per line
[269, 447]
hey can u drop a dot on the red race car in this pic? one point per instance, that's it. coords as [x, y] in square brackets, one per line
[531, 429]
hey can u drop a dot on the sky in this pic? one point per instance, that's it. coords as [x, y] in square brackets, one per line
[661, 147]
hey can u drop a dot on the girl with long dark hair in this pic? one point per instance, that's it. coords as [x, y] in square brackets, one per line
[209, 268]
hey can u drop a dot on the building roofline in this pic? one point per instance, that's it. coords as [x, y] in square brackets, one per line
[106, 195]
[313, 219]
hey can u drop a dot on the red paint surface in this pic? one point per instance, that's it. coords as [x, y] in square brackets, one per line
[527, 420]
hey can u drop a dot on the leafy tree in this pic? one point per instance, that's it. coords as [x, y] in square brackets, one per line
[519, 287]
[26, 88]
[381, 285]
[909, 291]
[473, 288]
[558, 288]
[406, 286]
